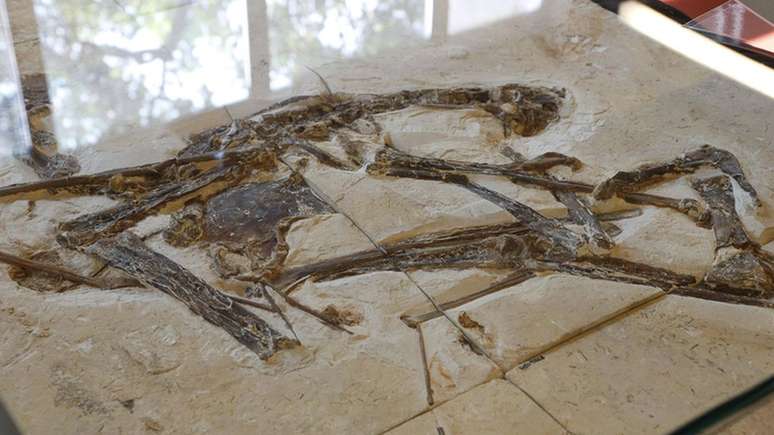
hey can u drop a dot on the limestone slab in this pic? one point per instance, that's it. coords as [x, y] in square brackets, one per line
[450, 287]
[517, 323]
[390, 209]
[467, 134]
[655, 368]
[424, 424]
[64, 357]
[40, 220]
[650, 239]
[453, 365]
[153, 361]
[323, 237]
[493, 408]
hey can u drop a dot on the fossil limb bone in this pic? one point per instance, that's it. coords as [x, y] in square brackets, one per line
[496, 246]
[617, 269]
[128, 253]
[153, 173]
[43, 157]
[632, 181]
[509, 281]
[718, 193]
[563, 238]
[45, 161]
[521, 109]
[579, 213]
[740, 266]
[689, 207]
[389, 161]
[278, 310]
[501, 252]
[85, 229]
[109, 283]
[577, 210]
[51, 269]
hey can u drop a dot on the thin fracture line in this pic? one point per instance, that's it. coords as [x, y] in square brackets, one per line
[378, 246]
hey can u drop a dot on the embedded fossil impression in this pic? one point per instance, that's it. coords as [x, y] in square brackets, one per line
[233, 193]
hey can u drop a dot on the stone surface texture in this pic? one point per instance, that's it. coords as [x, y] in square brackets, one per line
[551, 355]
[655, 368]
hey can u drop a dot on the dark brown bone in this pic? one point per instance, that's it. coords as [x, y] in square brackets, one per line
[632, 181]
[689, 207]
[389, 161]
[375, 258]
[500, 252]
[747, 273]
[577, 210]
[718, 193]
[523, 110]
[43, 157]
[128, 253]
[617, 269]
[393, 157]
[433, 250]
[86, 229]
[98, 183]
[253, 211]
[511, 280]
[579, 213]
[65, 274]
[45, 161]
[564, 239]
[740, 267]
[722, 296]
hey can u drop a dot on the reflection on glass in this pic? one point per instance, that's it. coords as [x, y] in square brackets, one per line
[466, 15]
[14, 136]
[115, 66]
[303, 32]
[110, 71]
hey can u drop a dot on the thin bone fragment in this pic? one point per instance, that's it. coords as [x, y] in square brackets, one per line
[64, 273]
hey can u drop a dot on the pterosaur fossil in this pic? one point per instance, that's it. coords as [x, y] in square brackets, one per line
[231, 192]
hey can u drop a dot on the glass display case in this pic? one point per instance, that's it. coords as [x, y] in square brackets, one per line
[357, 216]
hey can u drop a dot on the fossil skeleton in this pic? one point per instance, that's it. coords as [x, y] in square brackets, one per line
[229, 201]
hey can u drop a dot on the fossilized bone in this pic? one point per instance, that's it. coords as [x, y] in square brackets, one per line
[740, 265]
[632, 181]
[147, 176]
[128, 253]
[391, 162]
[523, 110]
[578, 211]
[86, 229]
[218, 164]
